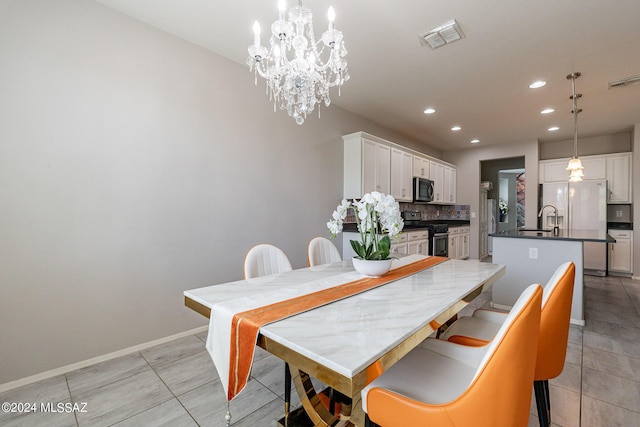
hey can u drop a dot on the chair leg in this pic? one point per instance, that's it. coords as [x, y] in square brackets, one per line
[548, 396]
[287, 391]
[368, 422]
[541, 403]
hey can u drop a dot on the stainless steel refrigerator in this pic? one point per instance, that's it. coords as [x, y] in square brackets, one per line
[581, 206]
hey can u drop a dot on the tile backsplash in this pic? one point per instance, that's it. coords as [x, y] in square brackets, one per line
[430, 212]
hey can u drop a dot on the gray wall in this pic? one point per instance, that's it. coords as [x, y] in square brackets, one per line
[134, 166]
[603, 144]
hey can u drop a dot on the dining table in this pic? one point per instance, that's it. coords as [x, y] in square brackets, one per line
[344, 343]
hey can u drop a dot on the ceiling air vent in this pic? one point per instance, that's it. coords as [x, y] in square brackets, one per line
[439, 36]
[633, 80]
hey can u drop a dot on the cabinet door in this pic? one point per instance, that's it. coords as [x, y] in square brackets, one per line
[368, 166]
[453, 246]
[619, 179]
[449, 186]
[400, 249]
[420, 167]
[620, 256]
[383, 168]
[436, 174]
[464, 245]
[401, 175]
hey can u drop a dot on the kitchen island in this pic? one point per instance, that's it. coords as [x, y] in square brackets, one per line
[531, 256]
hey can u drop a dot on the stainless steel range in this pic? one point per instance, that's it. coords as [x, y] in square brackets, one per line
[438, 239]
[438, 233]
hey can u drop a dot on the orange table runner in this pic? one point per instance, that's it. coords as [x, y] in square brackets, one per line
[246, 325]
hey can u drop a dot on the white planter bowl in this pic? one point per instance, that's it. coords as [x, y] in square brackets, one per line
[372, 268]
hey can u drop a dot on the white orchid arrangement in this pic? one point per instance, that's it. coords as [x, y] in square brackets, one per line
[378, 218]
[503, 207]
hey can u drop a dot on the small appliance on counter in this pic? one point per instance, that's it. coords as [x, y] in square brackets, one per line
[620, 217]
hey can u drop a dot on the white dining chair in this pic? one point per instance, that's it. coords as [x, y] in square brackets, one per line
[264, 260]
[322, 251]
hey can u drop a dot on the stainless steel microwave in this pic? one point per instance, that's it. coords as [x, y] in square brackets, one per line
[422, 190]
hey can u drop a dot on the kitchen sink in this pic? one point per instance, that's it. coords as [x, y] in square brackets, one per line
[536, 230]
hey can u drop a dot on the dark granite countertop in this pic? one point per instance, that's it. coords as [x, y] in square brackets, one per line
[579, 235]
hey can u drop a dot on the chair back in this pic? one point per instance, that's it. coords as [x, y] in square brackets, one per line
[265, 259]
[322, 251]
[554, 323]
[499, 394]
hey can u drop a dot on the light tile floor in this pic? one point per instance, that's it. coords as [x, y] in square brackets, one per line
[175, 384]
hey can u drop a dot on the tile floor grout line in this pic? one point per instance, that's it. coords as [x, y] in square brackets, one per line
[75, 414]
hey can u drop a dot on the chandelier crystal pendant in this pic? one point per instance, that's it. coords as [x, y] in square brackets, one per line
[297, 78]
[575, 165]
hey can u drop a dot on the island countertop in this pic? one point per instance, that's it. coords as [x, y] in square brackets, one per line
[579, 235]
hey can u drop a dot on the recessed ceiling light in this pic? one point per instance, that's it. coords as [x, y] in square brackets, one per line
[553, 128]
[536, 85]
[475, 141]
[429, 111]
[456, 128]
[547, 111]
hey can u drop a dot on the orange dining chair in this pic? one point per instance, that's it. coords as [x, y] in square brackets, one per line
[264, 260]
[446, 384]
[322, 251]
[554, 333]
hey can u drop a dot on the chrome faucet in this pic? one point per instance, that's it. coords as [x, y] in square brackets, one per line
[556, 227]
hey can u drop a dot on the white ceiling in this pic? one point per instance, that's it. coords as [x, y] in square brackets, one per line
[480, 82]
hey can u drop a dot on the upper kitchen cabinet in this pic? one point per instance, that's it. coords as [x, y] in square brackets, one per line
[367, 166]
[449, 187]
[375, 164]
[595, 167]
[444, 182]
[420, 167]
[619, 178]
[436, 174]
[401, 175]
[615, 168]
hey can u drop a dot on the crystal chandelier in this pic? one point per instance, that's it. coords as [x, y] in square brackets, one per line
[297, 78]
[575, 165]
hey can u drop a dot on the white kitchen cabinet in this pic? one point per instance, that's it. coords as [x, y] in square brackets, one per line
[463, 242]
[418, 242]
[436, 174]
[399, 245]
[401, 175]
[621, 252]
[619, 178]
[420, 167]
[595, 167]
[375, 164]
[454, 243]
[449, 185]
[367, 166]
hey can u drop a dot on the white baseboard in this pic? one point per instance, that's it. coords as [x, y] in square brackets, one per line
[83, 364]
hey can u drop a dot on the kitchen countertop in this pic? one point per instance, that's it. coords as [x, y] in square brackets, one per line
[579, 235]
[351, 226]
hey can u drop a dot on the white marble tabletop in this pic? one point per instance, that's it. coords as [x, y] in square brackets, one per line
[346, 336]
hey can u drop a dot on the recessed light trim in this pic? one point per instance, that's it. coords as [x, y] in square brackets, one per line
[456, 128]
[537, 84]
[475, 141]
[547, 111]
[429, 110]
[553, 128]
